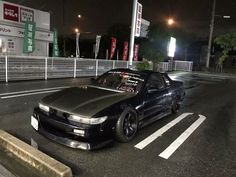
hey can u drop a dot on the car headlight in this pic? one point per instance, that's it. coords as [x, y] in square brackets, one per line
[87, 120]
[44, 107]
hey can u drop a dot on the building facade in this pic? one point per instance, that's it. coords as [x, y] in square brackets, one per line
[12, 22]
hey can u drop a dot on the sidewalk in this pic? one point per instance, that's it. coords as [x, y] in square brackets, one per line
[5, 173]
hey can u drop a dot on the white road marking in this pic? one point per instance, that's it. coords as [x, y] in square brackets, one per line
[27, 94]
[175, 145]
[159, 132]
[36, 90]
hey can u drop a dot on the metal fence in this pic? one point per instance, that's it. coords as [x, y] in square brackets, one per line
[175, 66]
[163, 66]
[30, 68]
[183, 65]
[2, 69]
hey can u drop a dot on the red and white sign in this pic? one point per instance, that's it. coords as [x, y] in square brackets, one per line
[136, 49]
[26, 14]
[138, 19]
[125, 50]
[11, 12]
[113, 47]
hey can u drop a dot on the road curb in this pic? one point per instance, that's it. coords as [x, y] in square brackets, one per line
[32, 157]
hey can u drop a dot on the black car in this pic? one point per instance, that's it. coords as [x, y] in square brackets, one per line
[115, 105]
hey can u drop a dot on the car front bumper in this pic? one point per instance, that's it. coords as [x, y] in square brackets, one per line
[63, 131]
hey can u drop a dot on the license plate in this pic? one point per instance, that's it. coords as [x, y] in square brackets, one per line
[34, 123]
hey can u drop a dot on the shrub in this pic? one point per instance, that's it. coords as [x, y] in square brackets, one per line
[144, 65]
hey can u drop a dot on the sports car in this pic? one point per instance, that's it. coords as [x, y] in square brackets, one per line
[114, 106]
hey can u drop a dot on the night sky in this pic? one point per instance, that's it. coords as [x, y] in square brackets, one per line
[192, 16]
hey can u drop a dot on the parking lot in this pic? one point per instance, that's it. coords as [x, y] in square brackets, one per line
[198, 141]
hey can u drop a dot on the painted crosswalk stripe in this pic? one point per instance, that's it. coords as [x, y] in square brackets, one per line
[175, 145]
[159, 132]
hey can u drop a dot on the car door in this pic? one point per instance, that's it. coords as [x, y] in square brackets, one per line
[157, 96]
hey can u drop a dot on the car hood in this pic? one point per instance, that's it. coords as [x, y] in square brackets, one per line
[86, 101]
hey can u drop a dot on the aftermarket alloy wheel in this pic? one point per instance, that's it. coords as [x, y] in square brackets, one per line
[126, 126]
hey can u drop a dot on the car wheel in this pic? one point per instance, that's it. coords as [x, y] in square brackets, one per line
[174, 106]
[126, 126]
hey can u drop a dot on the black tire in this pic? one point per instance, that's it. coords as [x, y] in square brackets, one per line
[126, 126]
[175, 106]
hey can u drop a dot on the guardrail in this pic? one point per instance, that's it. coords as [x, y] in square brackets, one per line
[30, 68]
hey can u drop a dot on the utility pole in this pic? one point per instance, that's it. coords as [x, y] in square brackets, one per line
[77, 52]
[63, 28]
[211, 33]
[132, 33]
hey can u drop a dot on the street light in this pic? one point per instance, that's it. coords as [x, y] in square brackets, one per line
[77, 52]
[211, 31]
[76, 30]
[170, 21]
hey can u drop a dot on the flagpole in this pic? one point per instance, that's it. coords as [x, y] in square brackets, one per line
[117, 54]
[107, 54]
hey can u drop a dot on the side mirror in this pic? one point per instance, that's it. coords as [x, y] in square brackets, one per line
[151, 89]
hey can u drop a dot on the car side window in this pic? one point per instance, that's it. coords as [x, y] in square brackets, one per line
[155, 81]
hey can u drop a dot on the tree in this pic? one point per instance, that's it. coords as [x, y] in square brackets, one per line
[228, 43]
[154, 48]
[149, 51]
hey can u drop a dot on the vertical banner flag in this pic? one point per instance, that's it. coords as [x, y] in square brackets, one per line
[29, 37]
[136, 49]
[125, 50]
[98, 39]
[113, 47]
[77, 52]
[138, 19]
[55, 50]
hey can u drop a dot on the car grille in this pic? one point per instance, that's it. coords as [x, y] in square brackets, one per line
[59, 114]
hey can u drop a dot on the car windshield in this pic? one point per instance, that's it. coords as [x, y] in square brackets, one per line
[123, 81]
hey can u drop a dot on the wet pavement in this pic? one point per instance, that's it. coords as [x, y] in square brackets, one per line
[208, 151]
[4, 172]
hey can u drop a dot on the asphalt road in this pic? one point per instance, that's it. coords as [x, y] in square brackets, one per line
[201, 144]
